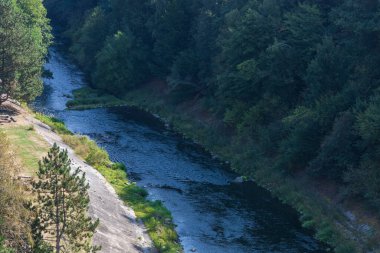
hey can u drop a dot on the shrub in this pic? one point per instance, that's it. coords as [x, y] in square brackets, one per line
[87, 149]
[97, 156]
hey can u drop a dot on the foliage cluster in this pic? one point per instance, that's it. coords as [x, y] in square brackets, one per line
[88, 149]
[3, 248]
[56, 125]
[24, 39]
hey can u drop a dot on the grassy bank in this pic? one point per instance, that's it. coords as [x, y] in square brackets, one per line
[33, 147]
[156, 217]
[316, 211]
[87, 98]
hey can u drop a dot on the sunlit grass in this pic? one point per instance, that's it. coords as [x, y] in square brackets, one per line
[56, 125]
[27, 145]
[156, 217]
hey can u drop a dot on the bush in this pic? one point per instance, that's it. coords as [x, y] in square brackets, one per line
[87, 149]
[97, 156]
[118, 166]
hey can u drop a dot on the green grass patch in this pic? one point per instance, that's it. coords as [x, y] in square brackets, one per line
[156, 217]
[87, 98]
[33, 146]
[87, 149]
[56, 125]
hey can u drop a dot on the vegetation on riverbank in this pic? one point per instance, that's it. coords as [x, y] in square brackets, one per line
[56, 125]
[155, 216]
[26, 148]
[88, 98]
[317, 212]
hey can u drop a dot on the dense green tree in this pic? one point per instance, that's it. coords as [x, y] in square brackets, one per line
[337, 152]
[328, 72]
[305, 29]
[90, 38]
[119, 65]
[24, 37]
[170, 25]
[302, 142]
[62, 204]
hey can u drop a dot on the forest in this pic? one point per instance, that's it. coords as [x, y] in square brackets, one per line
[296, 83]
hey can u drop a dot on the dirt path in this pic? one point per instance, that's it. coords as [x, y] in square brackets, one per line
[119, 231]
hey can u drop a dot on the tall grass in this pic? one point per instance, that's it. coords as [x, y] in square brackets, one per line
[14, 216]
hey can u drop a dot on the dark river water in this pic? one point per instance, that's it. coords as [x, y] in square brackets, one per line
[212, 214]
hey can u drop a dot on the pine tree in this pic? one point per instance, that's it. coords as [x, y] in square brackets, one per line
[62, 204]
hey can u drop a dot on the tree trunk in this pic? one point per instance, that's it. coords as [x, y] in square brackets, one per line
[58, 237]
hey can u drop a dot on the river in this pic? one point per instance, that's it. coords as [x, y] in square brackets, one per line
[212, 214]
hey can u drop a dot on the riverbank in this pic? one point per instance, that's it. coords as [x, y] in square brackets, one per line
[345, 229]
[156, 218]
[87, 98]
[120, 228]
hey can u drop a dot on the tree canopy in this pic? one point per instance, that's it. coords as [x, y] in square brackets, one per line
[24, 38]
